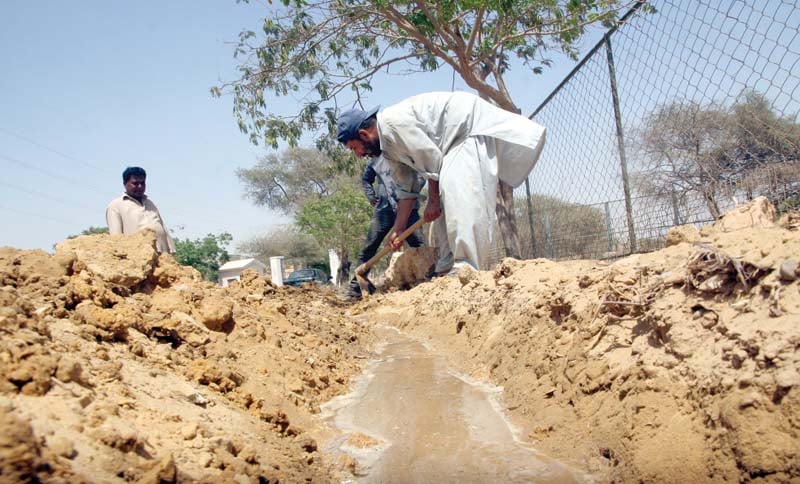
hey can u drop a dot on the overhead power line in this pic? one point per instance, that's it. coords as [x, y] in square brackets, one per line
[35, 214]
[39, 194]
[53, 150]
[49, 173]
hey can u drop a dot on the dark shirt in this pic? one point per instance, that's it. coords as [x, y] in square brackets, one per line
[386, 195]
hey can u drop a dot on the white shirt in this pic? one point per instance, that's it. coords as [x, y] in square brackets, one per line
[126, 215]
[416, 134]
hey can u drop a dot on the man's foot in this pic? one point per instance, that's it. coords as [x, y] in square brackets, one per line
[433, 273]
[352, 294]
[462, 264]
[453, 270]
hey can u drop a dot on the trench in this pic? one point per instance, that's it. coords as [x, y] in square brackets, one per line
[410, 418]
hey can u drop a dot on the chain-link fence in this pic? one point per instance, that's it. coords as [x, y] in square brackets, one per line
[685, 109]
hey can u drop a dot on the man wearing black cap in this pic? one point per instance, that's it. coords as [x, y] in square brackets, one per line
[462, 145]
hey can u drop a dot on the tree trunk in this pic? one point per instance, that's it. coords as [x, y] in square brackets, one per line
[506, 219]
[343, 273]
[712, 204]
[504, 207]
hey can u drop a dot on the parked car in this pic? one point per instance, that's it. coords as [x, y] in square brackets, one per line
[298, 277]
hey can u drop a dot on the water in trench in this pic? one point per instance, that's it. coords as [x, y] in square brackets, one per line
[410, 419]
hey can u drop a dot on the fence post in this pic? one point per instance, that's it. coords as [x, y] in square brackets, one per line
[608, 228]
[530, 217]
[548, 236]
[676, 214]
[621, 144]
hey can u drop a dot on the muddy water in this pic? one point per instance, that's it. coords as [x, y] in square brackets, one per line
[410, 419]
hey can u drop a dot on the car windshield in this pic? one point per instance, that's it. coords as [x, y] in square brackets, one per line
[301, 274]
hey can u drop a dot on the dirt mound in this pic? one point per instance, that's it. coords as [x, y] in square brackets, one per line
[680, 365]
[120, 365]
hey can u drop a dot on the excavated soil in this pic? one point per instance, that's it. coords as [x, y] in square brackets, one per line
[118, 365]
[680, 365]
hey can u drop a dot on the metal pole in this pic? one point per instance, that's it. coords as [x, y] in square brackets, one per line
[676, 217]
[588, 56]
[548, 236]
[621, 144]
[530, 217]
[608, 228]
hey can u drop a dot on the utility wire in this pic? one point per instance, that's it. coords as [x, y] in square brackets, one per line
[34, 214]
[43, 195]
[77, 182]
[52, 150]
[49, 173]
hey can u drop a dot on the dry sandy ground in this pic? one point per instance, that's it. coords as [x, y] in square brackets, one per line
[117, 365]
[675, 366]
[121, 366]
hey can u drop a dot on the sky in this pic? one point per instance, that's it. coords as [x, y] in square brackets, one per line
[89, 87]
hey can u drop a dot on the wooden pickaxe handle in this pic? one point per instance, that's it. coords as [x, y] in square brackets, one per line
[387, 248]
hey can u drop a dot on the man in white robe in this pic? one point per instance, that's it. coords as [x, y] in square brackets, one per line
[462, 145]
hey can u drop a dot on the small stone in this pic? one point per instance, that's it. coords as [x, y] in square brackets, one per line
[137, 349]
[85, 400]
[466, 274]
[189, 431]
[205, 459]
[241, 479]
[62, 447]
[788, 271]
[198, 399]
[163, 471]
[787, 378]
[68, 370]
[749, 400]
[308, 444]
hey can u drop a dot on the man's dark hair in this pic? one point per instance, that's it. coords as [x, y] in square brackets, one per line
[133, 171]
[369, 122]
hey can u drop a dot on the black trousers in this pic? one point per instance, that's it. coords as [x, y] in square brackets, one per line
[381, 225]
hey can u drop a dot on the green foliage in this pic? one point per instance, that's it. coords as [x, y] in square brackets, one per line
[327, 52]
[91, 231]
[285, 182]
[338, 221]
[206, 254]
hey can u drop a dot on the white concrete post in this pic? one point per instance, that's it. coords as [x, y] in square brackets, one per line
[276, 268]
[333, 262]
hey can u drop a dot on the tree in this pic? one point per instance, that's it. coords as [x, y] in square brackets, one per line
[683, 147]
[562, 230]
[762, 136]
[284, 182]
[287, 241]
[338, 221]
[329, 50]
[688, 148]
[90, 231]
[206, 254]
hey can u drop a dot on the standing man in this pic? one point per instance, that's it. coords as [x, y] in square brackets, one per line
[462, 145]
[133, 211]
[383, 218]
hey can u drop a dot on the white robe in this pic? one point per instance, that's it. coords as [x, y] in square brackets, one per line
[467, 144]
